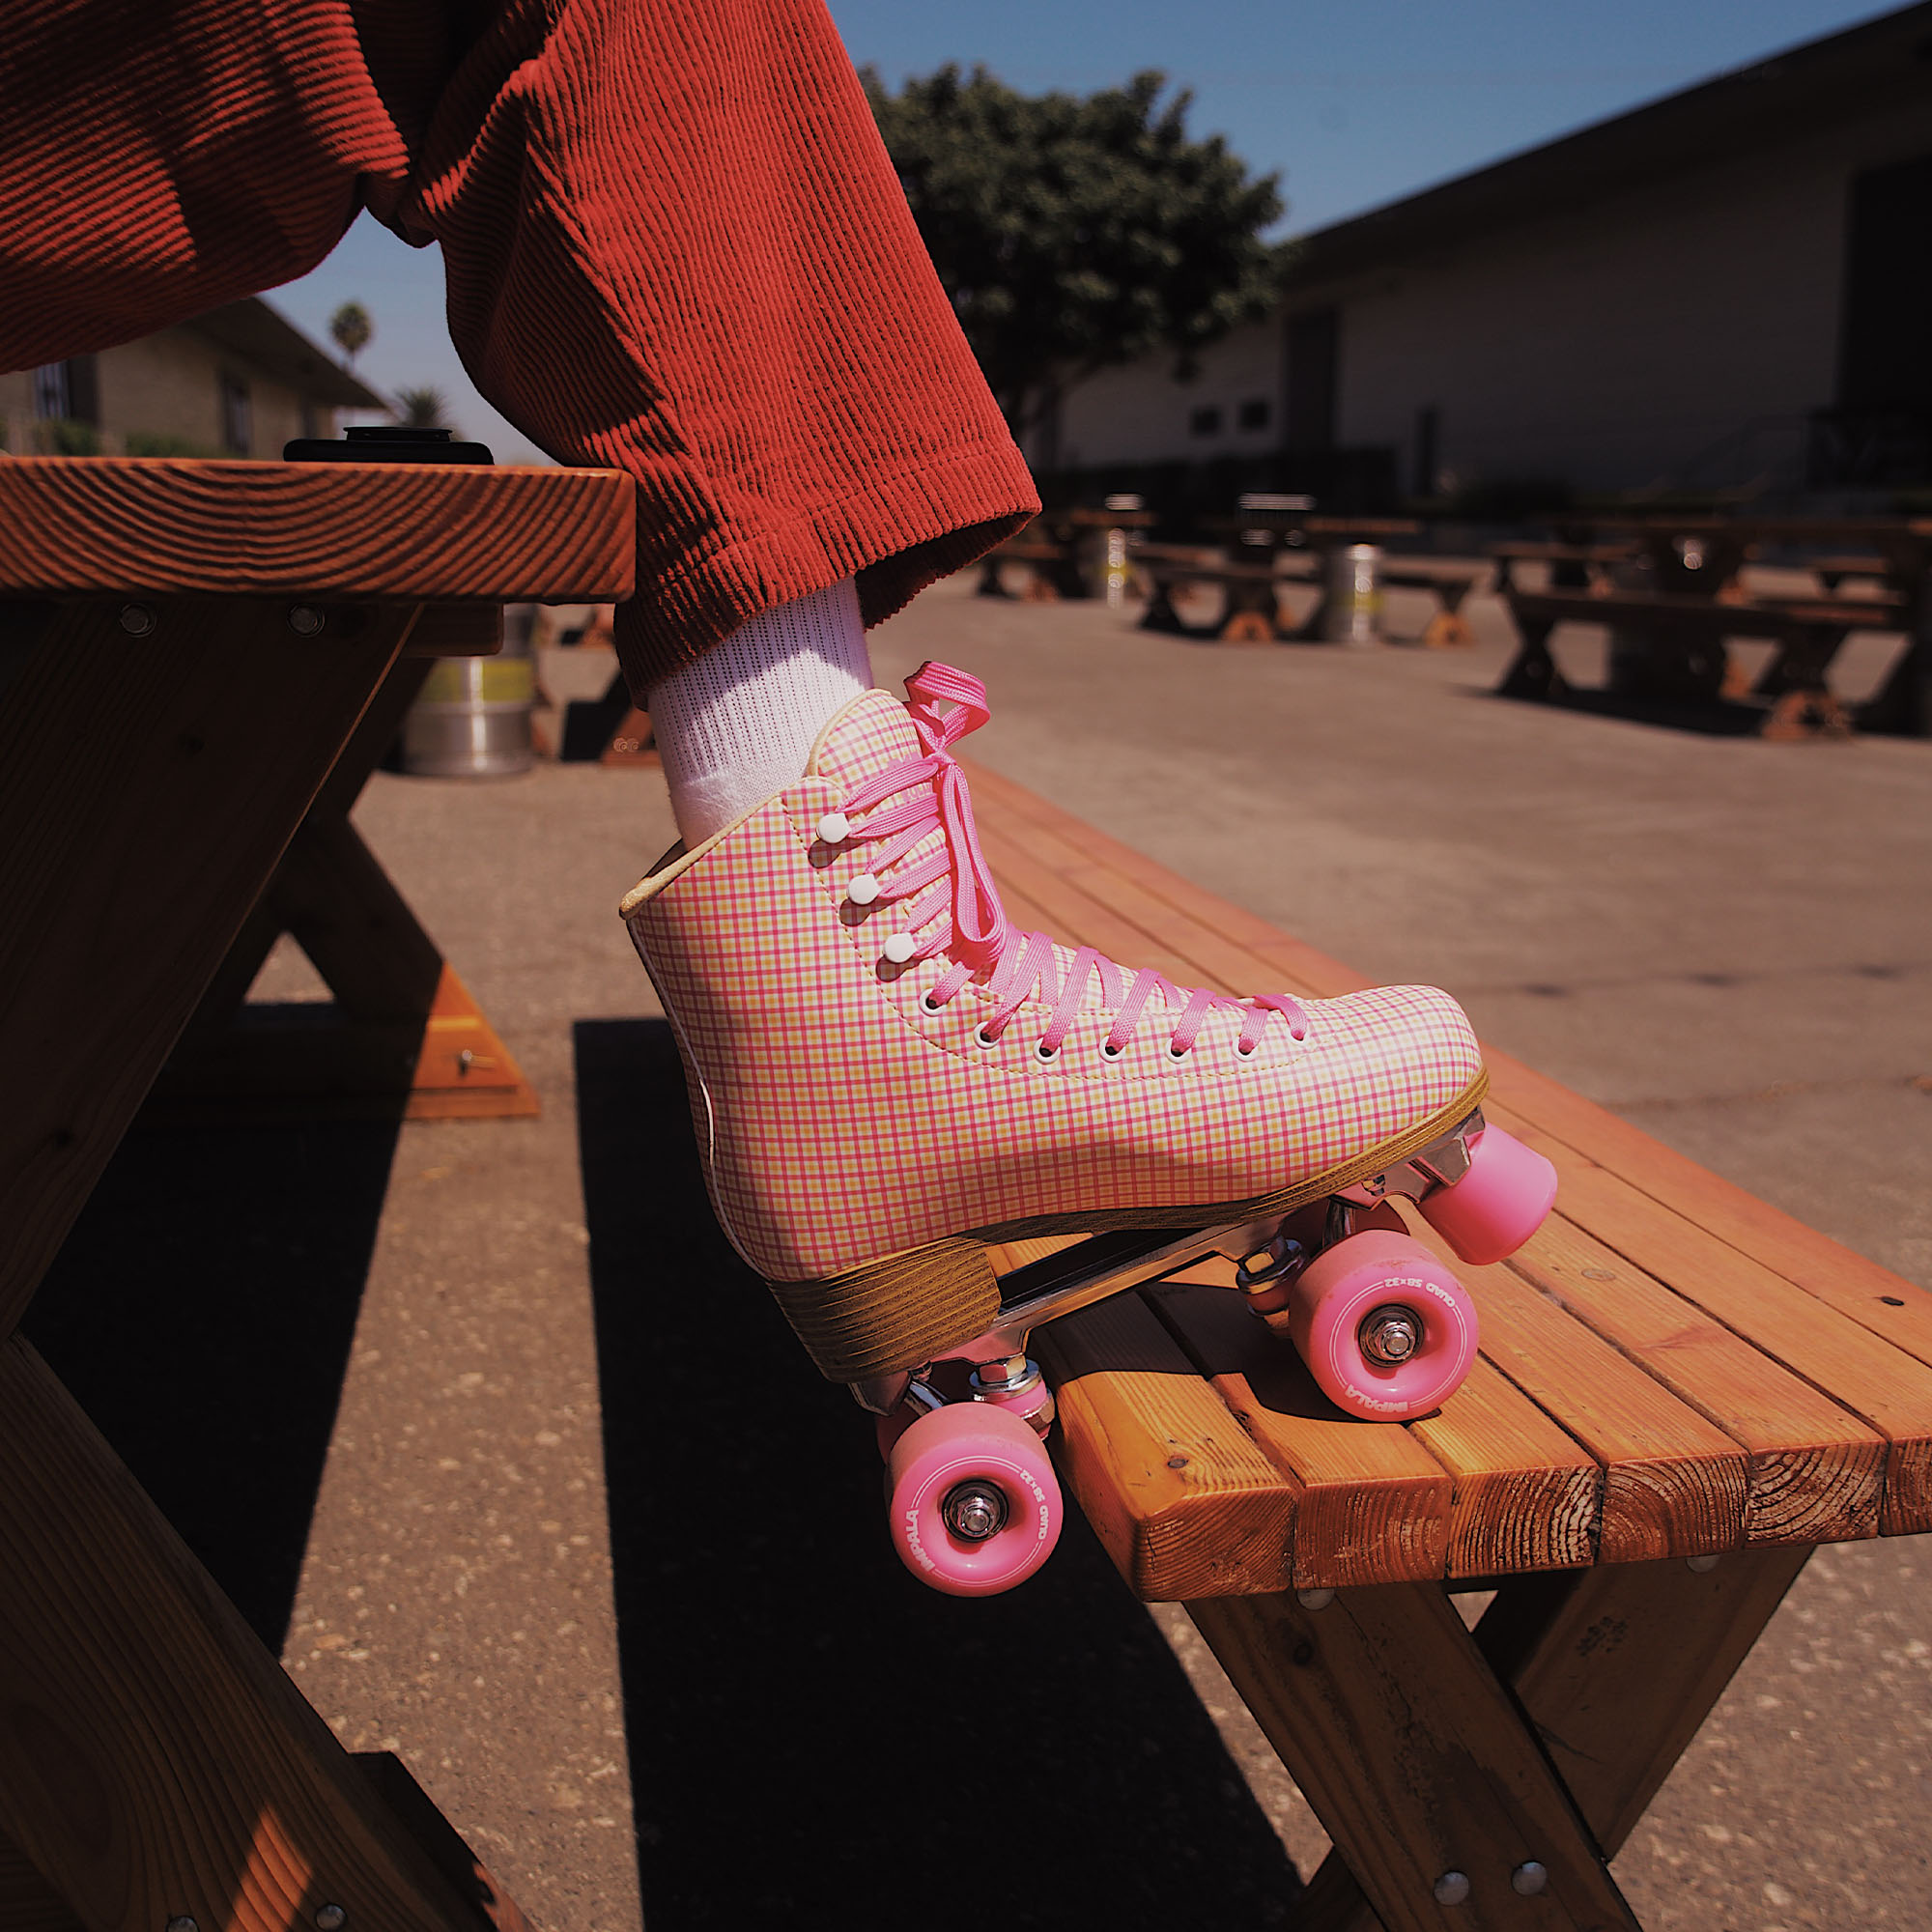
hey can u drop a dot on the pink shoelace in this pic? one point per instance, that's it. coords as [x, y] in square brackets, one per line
[953, 907]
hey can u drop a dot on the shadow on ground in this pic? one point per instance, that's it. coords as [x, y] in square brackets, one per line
[815, 1739]
[202, 1313]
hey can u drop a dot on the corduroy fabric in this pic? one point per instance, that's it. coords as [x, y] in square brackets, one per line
[673, 243]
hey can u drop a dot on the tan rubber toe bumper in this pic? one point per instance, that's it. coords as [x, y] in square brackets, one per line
[906, 1308]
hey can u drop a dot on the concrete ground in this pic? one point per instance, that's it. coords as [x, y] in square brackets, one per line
[485, 1427]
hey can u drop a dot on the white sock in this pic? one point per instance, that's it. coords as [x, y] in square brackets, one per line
[739, 725]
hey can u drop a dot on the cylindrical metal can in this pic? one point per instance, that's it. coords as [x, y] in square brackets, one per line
[472, 717]
[1353, 610]
[1118, 570]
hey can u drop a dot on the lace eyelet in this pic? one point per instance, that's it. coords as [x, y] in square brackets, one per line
[1109, 1051]
[1246, 1052]
[1044, 1054]
[928, 1008]
[1177, 1052]
[981, 1037]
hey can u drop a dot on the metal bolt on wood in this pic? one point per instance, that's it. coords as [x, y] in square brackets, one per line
[1529, 1879]
[1701, 1566]
[136, 620]
[330, 1919]
[306, 620]
[1315, 1599]
[1452, 1888]
[182, 1922]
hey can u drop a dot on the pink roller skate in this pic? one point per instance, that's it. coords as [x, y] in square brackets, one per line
[887, 1079]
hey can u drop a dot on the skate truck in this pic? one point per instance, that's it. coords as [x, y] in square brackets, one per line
[1384, 1326]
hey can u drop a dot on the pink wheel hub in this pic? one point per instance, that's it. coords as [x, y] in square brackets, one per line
[1349, 1285]
[974, 1506]
[1498, 1205]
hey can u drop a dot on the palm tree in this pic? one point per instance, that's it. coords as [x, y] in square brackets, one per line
[424, 408]
[351, 329]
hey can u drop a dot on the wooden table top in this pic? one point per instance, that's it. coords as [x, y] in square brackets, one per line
[79, 526]
[1670, 1368]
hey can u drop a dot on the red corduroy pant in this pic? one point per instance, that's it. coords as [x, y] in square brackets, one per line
[673, 243]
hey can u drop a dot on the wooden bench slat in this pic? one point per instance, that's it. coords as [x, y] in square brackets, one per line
[1184, 1502]
[1373, 1504]
[1674, 1484]
[1816, 1473]
[1880, 1384]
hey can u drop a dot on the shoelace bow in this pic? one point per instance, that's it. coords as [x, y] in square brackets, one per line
[952, 906]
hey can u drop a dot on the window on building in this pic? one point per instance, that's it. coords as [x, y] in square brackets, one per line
[53, 399]
[1205, 421]
[238, 418]
[1254, 414]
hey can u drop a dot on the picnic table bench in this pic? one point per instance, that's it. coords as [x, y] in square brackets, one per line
[1682, 1392]
[1066, 552]
[187, 650]
[1671, 623]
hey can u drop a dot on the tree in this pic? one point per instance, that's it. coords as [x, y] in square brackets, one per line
[424, 408]
[351, 329]
[1075, 232]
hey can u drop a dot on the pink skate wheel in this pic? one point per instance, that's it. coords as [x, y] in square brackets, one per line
[974, 1506]
[1383, 1326]
[1498, 1205]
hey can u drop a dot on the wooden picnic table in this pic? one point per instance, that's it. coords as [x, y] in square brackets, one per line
[1691, 568]
[186, 651]
[1066, 550]
[1681, 1393]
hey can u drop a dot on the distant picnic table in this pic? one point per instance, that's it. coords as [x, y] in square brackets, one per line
[1670, 587]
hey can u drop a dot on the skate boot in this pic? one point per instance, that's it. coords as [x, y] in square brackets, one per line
[886, 1077]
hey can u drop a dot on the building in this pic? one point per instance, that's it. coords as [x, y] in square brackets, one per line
[240, 380]
[1730, 286]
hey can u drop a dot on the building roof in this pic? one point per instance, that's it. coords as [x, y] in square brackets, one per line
[1884, 63]
[274, 344]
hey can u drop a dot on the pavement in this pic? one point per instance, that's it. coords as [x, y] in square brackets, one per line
[487, 1432]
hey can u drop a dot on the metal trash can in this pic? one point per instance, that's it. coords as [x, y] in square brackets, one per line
[1117, 569]
[1353, 610]
[472, 717]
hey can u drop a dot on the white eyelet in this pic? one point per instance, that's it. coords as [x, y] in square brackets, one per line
[900, 947]
[834, 828]
[1044, 1054]
[1177, 1052]
[1245, 1052]
[926, 1006]
[981, 1037]
[862, 890]
[1109, 1051]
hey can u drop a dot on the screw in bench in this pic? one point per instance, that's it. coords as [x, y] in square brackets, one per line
[182, 1922]
[1452, 1888]
[330, 1919]
[1315, 1599]
[306, 620]
[1701, 1566]
[136, 620]
[1529, 1879]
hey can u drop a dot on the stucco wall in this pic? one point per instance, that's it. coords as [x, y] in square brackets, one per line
[1607, 348]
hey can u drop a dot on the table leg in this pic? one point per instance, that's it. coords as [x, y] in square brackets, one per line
[154, 1763]
[1615, 1670]
[149, 783]
[1532, 673]
[1416, 1759]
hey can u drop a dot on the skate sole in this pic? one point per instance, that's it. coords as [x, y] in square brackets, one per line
[909, 1308]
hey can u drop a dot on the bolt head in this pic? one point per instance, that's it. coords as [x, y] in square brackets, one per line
[1452, 1888]
[1529, 1879]
[1701, 1566]
[306, 620]
[137, 619]
[1315, 1599]
[182, 1922]
[330, 1918]
[974, 1512]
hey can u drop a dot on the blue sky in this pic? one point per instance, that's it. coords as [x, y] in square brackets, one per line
[1351, 105]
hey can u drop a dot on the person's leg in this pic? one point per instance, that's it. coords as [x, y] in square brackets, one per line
[739, 724]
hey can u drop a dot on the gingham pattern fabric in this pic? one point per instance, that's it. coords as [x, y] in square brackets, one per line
[841, 1121]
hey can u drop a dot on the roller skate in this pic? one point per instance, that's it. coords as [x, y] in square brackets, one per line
[887, 1079]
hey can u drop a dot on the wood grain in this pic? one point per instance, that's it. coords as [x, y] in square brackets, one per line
[1413, 1756]
[124, 524]
[1373, 1504]
[1179, 1498]
[1816, 1473]
[28, 1903]
[1881, 1385]
[147, 789]
[154, 1760]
